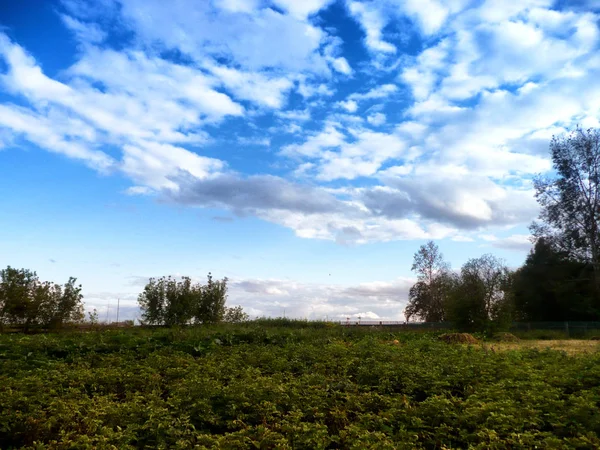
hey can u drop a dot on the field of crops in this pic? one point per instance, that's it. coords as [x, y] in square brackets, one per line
[251, 386]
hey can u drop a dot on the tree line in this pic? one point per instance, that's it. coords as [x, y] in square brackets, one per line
[27, 302]
[560, 279]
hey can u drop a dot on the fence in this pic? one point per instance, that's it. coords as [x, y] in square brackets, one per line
[568, 328]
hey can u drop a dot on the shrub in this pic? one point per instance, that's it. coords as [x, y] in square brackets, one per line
[26, 301]
[168, 301]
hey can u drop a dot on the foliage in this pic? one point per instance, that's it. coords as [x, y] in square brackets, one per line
[257, 386]
[93, 317]
[551, 287]
[428, 296]
[211, 308]
[168, 301]
[235, 314]
[27, 301]
[570, 201]
[480, 299]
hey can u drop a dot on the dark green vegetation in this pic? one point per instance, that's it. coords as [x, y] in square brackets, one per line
[168, 301]
[28, 302]
[260, 385]
[560, 279]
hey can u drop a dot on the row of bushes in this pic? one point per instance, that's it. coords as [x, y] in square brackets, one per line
[26, 302]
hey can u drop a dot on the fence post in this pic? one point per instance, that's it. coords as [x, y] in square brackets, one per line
[528, 326]
[567, 328]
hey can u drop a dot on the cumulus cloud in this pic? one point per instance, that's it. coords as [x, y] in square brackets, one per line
[517, 242]
[84, 32]
[372, 19]
[339, 157]
[444, 144]
[253, 194]
[379, 300]
[375, 300]
[376, 119]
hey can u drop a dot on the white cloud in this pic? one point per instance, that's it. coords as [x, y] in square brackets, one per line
[308, 90]
[256, 87]
[349, 105]
[493, 82]
[260, 297]
[61, 134]
[341, 158]
[272, 297]
[254, 141]
[518, 242]
[300, 115]
[341, 65]
[429, 14]
[382, 91]
[85, 32]
[146, 106]
[330, 137]
[372, 21]
[302, 9]
[376, 119]
[238, 6]
[255, 37]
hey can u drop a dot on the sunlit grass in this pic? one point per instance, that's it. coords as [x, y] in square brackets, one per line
[570, 346]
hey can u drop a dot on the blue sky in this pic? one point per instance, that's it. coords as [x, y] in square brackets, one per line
[303, 149]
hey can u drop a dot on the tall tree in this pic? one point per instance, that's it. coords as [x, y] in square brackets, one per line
[552, 287]
[570, 199]
[427, 296]
[481, 299]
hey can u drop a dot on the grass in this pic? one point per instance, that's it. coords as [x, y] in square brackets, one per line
[570, 346]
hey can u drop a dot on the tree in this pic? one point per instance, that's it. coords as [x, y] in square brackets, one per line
[27, 301]
[552, 287]
[16, 289]
[152, 301]
[235, 315]
[212, 305]
[427, 297]
[570, 200]
[480, 299]
[168, 301]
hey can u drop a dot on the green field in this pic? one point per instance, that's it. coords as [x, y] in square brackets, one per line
[266, 387]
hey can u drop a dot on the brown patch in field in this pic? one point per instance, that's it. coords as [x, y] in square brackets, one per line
[569, 346]
[458, 338]
[505, 337]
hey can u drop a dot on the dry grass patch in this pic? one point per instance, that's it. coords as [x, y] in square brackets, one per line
[458, 338]
[505, 337]
[570, 346]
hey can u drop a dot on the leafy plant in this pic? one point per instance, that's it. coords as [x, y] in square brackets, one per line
[283, 385]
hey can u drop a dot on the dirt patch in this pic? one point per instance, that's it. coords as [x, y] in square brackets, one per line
[505, 337]
[458, 338]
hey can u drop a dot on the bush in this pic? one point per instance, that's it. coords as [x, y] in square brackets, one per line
[168, 301]
[28, 302]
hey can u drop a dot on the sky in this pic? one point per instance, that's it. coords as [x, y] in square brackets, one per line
[303, 149]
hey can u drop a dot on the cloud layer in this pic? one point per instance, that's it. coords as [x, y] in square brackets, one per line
[428, 122]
